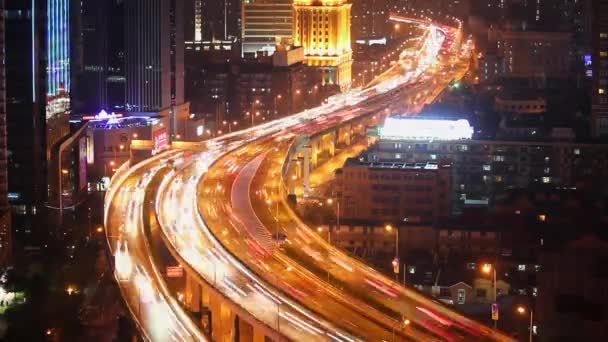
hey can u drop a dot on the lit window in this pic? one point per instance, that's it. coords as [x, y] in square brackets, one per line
[461, 296]
[487, 167]
[498, 179]
[601, 91]
[547, 170]
[521, 267]
[471, 265]
[398, 156]
[433, 156]
[547, 159]
[542, 217]
[411, 269]
[603, 35]
[546, 180]
[577, 151]
[200, 130]
[498, 158]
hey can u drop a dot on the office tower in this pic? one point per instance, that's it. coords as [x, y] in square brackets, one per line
[91, 70]
[198, 20]
[266, 23]
[150, 41]
[116, 75]
[599, 60]
[370, 19]
[26, 84]
[177, 51]
[322, 27]
[5, 227]
[212, 20]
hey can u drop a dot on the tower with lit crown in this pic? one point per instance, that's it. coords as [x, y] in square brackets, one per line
[322, 28]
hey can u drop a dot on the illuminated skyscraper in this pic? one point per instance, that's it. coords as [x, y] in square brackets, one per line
[5, 228]
[153, 54]
[265, 24]
[322, 27]
[58, 48]
[198, 20]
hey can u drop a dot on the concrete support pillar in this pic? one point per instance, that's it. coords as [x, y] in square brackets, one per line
[205, 296]
[313, 153]
[258, 335]
[193, 294]
[332, 145]
[222, 320]
[245, 331]
[306, 151]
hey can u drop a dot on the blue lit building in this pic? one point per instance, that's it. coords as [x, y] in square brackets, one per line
[58, 46]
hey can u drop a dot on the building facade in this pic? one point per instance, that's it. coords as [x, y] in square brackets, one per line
[482, 171]
[535, 54]
[148, 55]
[265, 24]
[26, 82]
[599, 60]
[394, 192]
[6, 238]
[323, 27]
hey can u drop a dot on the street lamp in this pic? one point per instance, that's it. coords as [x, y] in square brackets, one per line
[252, 112]
[320, 230]
[487, 269]
[330, 201]
[278, 97]
[399, 324]
[395, 262]
[522, 311]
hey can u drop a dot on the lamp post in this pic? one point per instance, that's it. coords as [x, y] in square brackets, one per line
[395, 262]
[521, 310]
[230, 124]
[330, 201]
[320, 230]
[487, 269]
[252, 113]
[405, 323]
[278, 97]
[276, 218]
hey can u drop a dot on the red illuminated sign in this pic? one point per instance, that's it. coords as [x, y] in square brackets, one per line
[161, 140]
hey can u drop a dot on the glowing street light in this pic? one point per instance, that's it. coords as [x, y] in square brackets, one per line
[401, 324]
[522, 311]
[487, 269]
[389, 228]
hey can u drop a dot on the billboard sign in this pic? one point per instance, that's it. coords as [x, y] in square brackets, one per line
[495, 311]
[161, 140]
[175, 271]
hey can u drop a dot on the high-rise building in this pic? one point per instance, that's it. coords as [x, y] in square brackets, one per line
[370, 19]
[177, 51]
[210, 20]
[5, 228]
[152, 34]
[599, 60]
[265, 24]
[91, 70]
[322, 27]
[26, 97]
[116, 75]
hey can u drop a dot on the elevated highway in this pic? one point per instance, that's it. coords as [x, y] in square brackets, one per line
[254, 271]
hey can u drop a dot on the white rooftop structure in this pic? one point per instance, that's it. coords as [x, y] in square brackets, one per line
[425, 129]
